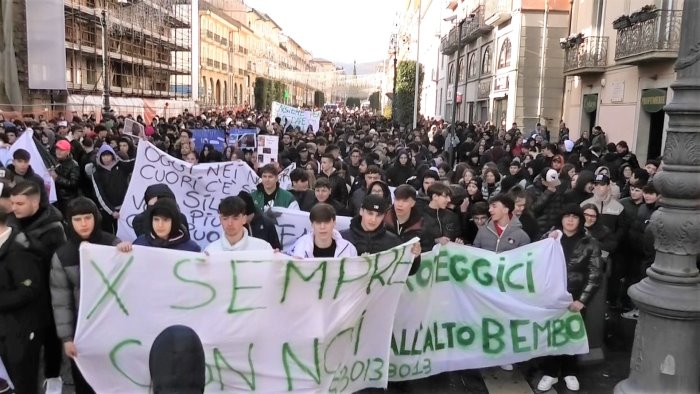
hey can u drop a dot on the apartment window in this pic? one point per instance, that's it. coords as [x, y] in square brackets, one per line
[486, 61]
[504, 55]
[451, 72]
[471, 65]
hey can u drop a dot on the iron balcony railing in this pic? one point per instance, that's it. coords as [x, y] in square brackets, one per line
[662, 32]
[476, 27]
[592, 52]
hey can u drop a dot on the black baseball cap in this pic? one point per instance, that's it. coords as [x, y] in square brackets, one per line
[375, 203]
[602, 178]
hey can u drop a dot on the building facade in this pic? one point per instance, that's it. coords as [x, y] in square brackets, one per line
[510, 66]
[619, 65]
[148, 55]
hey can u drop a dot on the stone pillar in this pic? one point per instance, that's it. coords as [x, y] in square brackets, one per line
[666, 352]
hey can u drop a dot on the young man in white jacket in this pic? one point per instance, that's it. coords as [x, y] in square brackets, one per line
[234, 236]
[324, 241]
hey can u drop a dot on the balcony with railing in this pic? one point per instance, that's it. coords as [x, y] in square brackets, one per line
[449, 43]
[497, 11]
[589, 56]
[656, 36]
[476, 27]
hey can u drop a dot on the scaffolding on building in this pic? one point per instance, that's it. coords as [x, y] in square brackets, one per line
[149, 45]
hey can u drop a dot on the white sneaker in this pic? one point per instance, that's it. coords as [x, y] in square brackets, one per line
[572, 383]
[507, 367]
[546, 383]
[54, 385]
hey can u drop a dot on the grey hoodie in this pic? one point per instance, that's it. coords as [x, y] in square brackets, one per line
[513, 237]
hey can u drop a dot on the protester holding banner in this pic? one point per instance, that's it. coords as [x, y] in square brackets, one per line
[441, 224]
[503, 231]
[584, 271]
[235, 236]
[368, 233]
[324, 241]
[165, 230]
[154, 193]
[21, 310]
[404, 219]
[269, 194]
[83, 219]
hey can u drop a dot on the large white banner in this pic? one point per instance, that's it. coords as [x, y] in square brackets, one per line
[198, 189]
[267, 324]
[270, 323]
[470, 308]
[26, 142]
[295, 116]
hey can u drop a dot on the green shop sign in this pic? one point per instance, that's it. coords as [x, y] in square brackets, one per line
[653, 100]
[590, 102]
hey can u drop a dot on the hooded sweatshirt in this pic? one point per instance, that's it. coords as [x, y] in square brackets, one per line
[111, 181]
[159, 190]
[178, 239]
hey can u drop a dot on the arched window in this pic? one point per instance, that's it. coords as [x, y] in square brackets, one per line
[471, 69]
[451, 72]
[504, 55]
[486, 61]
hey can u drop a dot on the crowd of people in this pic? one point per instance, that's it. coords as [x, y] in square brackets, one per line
[481, 185]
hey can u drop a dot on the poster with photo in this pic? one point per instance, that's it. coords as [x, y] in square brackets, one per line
[268, 148]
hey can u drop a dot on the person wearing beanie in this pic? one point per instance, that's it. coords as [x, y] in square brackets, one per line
[110, 177]
[83, 219]
[151, 195]
[584, 272]
[260, 225]
[165, 229]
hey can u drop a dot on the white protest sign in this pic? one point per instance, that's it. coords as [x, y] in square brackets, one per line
[284, 179]
[295, 117]
[268, 148]
[26, 142]
[470, 308]
[133, 128]
[198, 190]
[293, 223]
[267, 324]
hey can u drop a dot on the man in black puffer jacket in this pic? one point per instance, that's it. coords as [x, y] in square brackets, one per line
[368, 233]
[83, 226]
[20, 308]
[548, 198]
[582, 190]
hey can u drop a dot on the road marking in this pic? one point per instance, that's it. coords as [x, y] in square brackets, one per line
[498, 381]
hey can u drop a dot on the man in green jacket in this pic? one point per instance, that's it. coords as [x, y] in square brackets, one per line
[269, 194]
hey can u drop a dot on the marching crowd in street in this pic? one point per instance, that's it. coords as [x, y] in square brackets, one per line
[494, 188]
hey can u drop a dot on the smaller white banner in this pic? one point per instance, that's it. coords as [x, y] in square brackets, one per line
[295, 117]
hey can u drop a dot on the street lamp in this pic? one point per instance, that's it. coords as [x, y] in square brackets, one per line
[665, 356]
[393, 52]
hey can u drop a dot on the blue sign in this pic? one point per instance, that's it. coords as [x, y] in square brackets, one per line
[216, 137]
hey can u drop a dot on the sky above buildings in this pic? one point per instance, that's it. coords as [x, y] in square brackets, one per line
[336, 30]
